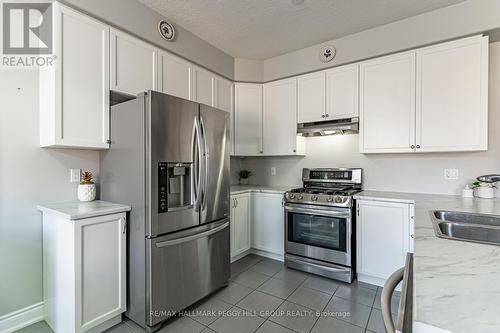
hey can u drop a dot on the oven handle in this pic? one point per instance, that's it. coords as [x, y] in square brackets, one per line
[343, 213]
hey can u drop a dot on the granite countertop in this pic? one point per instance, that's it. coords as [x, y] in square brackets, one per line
[456, 284]
[237, 189]
[76, 210]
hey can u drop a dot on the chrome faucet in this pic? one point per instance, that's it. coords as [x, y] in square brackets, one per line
[489, 178]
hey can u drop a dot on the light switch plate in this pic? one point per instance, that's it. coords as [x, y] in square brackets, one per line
[273, 171]
[74, 176]
[451, 174]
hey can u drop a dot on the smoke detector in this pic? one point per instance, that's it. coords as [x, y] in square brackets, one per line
[327, 53]
[166, 30]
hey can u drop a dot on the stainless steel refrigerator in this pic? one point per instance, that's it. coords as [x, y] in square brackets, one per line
[169, 160]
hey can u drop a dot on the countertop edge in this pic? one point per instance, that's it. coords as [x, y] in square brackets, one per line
[115, 209]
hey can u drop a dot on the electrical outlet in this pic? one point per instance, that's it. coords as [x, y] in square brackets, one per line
[273, 171]
[451, 174]
[74, 175]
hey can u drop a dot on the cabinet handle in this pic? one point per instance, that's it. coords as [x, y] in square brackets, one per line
[124, 228]
[295, 150]
[418, 146]
[412, 146]
[327, 115]
[236, 203]
[412, 236]
[322, 116]
[261, 152]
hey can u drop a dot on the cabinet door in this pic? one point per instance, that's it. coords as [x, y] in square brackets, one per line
[311, 99]
[247, 119]
[268, 233]
[176, 76]
[342, 92]
[223, 94]
[240, 224]
[280, 117]
[100, 269]
[383, 232]
[204, 86]
[452, 96]
[133, 64]
[80, 109]
[387, 104]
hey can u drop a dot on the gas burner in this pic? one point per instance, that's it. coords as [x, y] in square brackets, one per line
[328, 187]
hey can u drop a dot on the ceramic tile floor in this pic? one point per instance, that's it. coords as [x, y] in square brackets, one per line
[265, 297]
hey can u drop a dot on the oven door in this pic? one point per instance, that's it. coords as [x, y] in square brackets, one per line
[318, 232]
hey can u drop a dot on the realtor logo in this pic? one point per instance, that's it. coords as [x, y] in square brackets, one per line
[27, 28]
[27, 35]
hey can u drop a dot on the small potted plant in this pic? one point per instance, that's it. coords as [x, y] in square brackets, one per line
[86, 189]
[244, 174]
[484, 190]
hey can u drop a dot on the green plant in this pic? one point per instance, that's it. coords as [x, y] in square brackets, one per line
[482, 184]
[245, 173]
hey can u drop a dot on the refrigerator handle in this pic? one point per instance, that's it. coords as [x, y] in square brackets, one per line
[205, 155]
[197, 158]
[190, 238]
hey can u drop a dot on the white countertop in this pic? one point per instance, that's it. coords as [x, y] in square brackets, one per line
[76, 210]
[238, 189]
[456, 283]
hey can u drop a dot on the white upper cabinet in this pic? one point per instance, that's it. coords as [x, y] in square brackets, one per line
[133, 64]
[311, 100]
[247, 119]
[204, 86]
[452, 96]
[74, 93]
[387, 104]
[176, 76]
[342, 92]
[280, 119]
[224, 94]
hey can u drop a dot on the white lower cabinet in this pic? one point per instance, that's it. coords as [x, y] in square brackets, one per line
[268, 230]
[240, 224]
[84, 274]
[257, 223]
[384, 234]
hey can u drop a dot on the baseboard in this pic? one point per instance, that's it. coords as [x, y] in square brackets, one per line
[270, 255]
[16, 320]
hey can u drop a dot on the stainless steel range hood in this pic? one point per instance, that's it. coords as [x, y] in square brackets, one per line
[329, 127]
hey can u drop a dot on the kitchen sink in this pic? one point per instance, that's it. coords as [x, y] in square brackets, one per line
[480, 228]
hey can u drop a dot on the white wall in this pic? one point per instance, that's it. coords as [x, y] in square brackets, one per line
[247, 70]
[29, 175]
[391, 172]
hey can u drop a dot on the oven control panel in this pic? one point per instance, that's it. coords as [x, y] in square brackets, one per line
[319, 199]
[332, 175]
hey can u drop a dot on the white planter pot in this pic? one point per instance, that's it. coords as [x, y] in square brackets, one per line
[243, 181]
[86, 192]
[485, 192]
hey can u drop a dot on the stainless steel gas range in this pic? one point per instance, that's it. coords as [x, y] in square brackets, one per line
[320, 223]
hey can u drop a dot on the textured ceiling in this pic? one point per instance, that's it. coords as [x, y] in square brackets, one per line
[261, 29]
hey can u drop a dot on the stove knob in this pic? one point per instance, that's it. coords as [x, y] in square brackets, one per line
[330, 199]
[314, 198]
[291, 196]
[300, 196]
[339, 200]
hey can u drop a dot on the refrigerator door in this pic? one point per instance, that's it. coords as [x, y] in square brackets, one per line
[185, 267]
[215, 184]
[174, 163]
